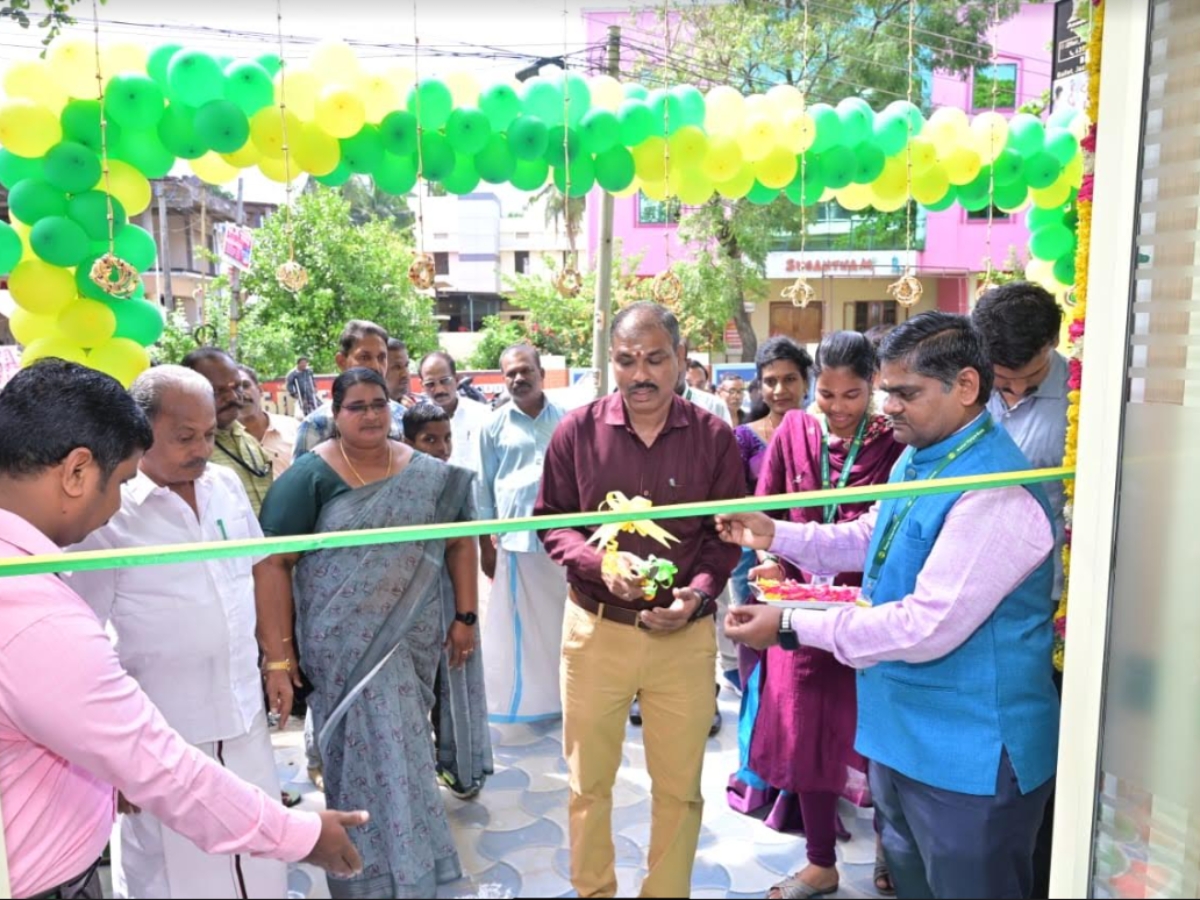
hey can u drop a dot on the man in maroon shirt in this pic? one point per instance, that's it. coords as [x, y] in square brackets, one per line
[645, 441]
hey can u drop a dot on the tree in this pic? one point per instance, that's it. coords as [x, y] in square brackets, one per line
[56, 18]
[354, 272]
[562, 212]
[368, 202]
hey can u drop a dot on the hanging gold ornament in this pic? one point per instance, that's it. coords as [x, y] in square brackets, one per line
[422, 272]
[292, 276]
[907, 291]
[800, 293]
[667, 288]
[115, 277]
[569, 282]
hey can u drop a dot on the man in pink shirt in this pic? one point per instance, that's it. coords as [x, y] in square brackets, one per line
[74, 727]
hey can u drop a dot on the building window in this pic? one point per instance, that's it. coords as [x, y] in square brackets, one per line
[657, 212]
[801, 325]
[1003, 77]
[869, 313]
[522, 261]
[981, 215]
[441, 263]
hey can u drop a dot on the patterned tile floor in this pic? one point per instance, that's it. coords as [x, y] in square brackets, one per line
[513, 839]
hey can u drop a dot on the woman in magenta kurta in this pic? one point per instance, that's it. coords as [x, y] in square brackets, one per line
[802, 717]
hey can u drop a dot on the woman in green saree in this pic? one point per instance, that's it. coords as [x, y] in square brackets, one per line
[370, 634]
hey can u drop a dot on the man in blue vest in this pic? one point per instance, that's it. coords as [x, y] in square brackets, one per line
[957, 707]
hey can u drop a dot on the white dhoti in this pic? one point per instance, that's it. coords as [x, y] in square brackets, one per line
[151, 860]
[523, 636]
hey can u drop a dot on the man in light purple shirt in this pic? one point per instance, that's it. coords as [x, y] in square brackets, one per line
[957, 708]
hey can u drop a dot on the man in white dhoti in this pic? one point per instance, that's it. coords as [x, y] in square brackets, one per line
[522, 627]
[186, 633]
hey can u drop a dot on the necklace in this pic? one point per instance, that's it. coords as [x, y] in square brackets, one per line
[353, 470]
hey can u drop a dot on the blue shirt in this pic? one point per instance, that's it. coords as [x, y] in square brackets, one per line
[318, 427]
[1038, 425]
[512, 451]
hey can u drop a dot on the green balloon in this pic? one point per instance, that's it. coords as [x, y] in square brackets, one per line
[431, 102]
[837, 167]
[364, 151]
[495, 163]
[857, 120]
[15, 169]
[527, 137]
[501, 105]
[660, 109]
[270, 62]
[398, 131]
[978, 189]
[1041, 170]
[614, 169]
[530, 174]
[59, 241]
[1040, 218]
[71, 167]
[468, 131]
[1064, 269]
[869, 162]
[579, 97]
[688, 103]
[634, 91]
[194, 78]
[556, 138]
[1025, 134]
[249, 85]
[890, 132]
[973, 203]
[395, 175]
[339, 176]
[463, 178]
[160, 61]
[83, 275]
[222, 125]
[1062, 145]
[33, 199]
[136, 246]
[134, 101]
[761, 195]
[946, 202]
[543, 97]
[1051, 241]
[81, 124]
[437, 157]
[908, 111]
[1011, 195]
[144, 151]
[601, 130]
[808, 186]
[89, 211]
[828, 126]
[10, 248]
[138, 320]
[582, 173]
[636, 121]
[177, 131]
[1008, 168]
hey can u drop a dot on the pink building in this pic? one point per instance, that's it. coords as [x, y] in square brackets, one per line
[851, 284]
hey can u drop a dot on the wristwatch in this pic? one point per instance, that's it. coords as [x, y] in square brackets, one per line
[706, 607]
[787, 637]
[468, 619]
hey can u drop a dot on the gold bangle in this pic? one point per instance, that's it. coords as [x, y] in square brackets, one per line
[281, 666]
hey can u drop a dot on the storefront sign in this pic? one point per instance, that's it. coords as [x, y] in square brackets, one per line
[1068, 87]
[237, 247]
[865, 263]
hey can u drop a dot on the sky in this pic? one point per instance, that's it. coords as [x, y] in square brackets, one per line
[476, 31]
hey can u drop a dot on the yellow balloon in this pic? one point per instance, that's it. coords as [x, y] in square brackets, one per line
[923, 153]
[724, 111]
[690, 186]
[777, 169]
[280, 170]
[1053, 196]
[930, 186]
[379, 96]
[403, 78]
[333, 61]
[989, 132]
[27, 327]
[723, 160]
[962, 165]
[213, 169]
[893, 180]
[649, 159]
[464, 88]
[87, 322]
[785, 98]
[28, 129]
[56, 346]
[31, 80]
[247, 156]
[758, 138]
[129, 186]
[23, 232]
[947, 126]
[41, 288]
[797, 130]
[738, 186]
[266, 131]
[1073, 171]
[73, 65]
[1041, 271]
[123, 59]
[121, 358]
[300, 92]
[827, 195]
[1079, 126]
[887, 202]
[655, 189]
[340, 112]
[854, 197]
[316, 152]
[607, 93]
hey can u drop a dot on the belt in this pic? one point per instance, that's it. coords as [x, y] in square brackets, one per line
[73, 888]
[623, 615]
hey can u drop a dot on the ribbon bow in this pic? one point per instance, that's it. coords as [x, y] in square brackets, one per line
[606, 535]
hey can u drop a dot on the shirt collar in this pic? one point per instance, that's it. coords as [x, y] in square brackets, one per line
[613, 412]
[21, 534]
[1053, 386]
[142, 487]
[514, 410]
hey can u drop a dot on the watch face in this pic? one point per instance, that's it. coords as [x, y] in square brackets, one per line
[467, 618]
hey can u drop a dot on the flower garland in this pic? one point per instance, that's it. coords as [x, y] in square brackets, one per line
[1079, 312]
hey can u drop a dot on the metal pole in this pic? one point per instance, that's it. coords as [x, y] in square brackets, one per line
[235, 280]
[164, 248]
[604, 262]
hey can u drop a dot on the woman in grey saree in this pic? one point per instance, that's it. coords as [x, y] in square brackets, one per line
[370, 633]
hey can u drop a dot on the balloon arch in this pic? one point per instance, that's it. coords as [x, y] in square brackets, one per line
[70, 251]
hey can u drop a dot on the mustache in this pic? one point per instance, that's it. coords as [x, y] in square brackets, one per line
[199, 463]
[644, 386]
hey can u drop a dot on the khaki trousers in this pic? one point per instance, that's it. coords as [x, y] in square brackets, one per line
[605, 665]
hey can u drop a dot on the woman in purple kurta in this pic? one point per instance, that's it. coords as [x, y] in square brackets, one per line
[800, 711]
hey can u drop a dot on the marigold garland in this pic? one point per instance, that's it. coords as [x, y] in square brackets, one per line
[1077, 325]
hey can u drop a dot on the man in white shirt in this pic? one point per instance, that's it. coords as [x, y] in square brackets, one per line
[276, 433]
[186, 633]
[439, 378]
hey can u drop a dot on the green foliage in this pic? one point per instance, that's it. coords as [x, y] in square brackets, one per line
[368, 202]
[57, 15]
[354, 272]
[497, 335]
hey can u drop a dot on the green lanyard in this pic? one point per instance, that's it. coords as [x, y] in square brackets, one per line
[855, 446]
[977, 434]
